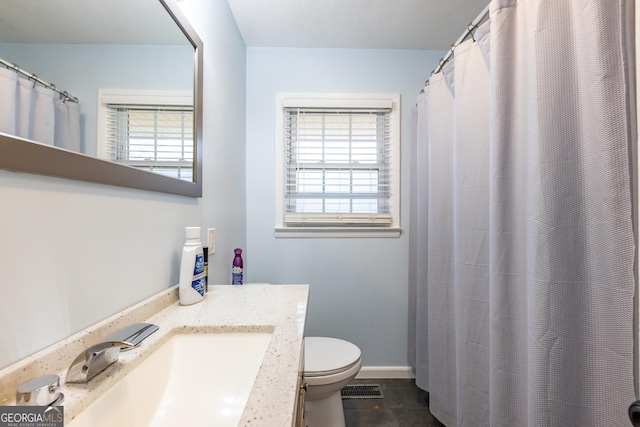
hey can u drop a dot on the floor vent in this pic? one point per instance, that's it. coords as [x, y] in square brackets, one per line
[362, 391]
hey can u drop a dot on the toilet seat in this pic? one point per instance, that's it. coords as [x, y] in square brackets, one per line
[325, 356]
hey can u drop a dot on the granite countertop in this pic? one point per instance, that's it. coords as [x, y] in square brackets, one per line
[257, 308]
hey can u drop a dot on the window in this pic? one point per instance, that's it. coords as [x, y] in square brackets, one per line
[338, 165]
[147, 130]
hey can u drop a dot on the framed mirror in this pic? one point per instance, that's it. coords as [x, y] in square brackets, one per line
[87, 48]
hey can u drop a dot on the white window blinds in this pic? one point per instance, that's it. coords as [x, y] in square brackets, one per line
[337, 166]
[147, 129]
[156, 138]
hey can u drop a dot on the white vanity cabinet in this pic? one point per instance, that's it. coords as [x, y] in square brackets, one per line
[298, 415]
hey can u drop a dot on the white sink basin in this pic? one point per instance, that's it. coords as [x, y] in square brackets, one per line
[191, 380]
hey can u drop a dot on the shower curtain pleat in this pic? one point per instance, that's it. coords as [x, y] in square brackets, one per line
[67, 125]
[421, 177]
[413, 242]
[530, 247]
[8, 82]
[471, 231]
[24, 116]
[43, 127]
[440, 292]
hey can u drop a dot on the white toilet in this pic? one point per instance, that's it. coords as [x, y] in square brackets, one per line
[329, 365]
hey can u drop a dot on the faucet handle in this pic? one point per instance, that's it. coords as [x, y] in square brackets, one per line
[132, 335]
[41, 391]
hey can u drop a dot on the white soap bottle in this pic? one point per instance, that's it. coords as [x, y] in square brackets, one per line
[192, 280]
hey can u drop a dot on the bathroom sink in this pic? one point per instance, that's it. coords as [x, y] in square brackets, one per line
[191, 380]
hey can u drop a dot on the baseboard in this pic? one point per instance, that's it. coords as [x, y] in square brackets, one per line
[385, 372]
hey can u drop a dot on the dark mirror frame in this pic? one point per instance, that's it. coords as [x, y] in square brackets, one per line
[20, 155]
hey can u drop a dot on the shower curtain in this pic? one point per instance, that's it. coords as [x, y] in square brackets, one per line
[34, 112]
[524, 266]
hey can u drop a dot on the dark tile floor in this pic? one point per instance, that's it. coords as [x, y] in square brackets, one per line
[403, 405]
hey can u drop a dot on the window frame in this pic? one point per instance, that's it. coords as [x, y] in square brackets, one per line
[343, 101]
[135, 97]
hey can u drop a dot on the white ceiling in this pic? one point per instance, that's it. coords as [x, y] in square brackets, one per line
[87, 22]
[367, 24]
[364, 24]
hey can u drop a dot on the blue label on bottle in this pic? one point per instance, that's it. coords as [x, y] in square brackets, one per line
[236, 276]
[199, 282]
[198, 268]
[199, 285]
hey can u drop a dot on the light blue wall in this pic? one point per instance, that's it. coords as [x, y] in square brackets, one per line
[92, 250]
[83, 69]
[73, 253]
[359, 287]
[225, 69]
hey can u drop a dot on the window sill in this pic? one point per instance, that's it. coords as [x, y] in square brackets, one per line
[336, 232]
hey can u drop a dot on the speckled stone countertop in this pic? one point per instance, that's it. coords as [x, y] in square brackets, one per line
[258, 308]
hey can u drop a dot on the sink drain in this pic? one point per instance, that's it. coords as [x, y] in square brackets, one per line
[362, 391]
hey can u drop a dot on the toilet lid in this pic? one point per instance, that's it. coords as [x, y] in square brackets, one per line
[328, 355]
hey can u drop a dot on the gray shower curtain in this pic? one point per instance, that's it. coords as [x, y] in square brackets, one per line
[35, 112]
[524, 266]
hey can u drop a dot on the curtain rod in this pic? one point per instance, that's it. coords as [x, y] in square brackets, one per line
[470, 28]
[64, 95]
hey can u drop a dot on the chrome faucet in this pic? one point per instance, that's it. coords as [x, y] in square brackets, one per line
[93, 361]
[99, 356]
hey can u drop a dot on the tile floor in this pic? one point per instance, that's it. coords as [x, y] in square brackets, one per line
[403, 405]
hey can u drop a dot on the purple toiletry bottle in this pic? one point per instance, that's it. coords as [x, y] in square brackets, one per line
[236, 271]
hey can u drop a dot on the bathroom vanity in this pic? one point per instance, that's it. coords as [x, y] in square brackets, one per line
[266, 326]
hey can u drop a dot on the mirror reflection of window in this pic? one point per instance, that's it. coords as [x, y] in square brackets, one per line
[148, 130]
